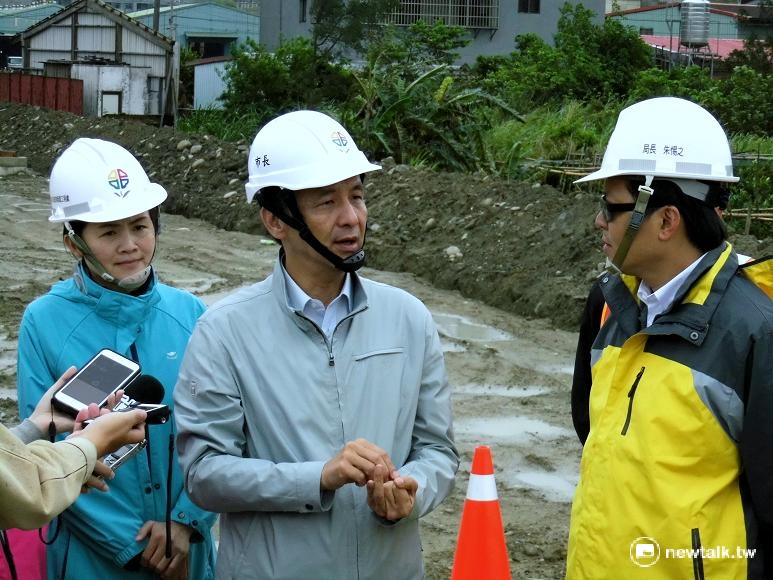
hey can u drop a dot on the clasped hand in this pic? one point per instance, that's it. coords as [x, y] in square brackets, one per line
[390, 495]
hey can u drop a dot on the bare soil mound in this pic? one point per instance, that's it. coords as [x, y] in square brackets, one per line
[523, 247]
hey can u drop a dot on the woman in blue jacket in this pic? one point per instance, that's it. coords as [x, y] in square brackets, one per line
[110, 212]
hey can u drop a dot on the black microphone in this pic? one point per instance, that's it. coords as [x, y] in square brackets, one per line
[145, 392]
[143, 389]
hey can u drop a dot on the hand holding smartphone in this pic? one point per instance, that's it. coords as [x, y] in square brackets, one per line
[157, 413]
[104, 374]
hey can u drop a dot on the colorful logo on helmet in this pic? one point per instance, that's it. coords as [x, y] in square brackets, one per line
[339, 139]
[118, 180]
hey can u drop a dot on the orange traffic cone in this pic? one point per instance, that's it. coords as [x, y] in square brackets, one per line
[481, 552]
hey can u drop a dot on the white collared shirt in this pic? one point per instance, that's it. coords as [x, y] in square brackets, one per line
[326, 318]
[661, 300]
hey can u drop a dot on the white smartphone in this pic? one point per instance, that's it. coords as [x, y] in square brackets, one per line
[104, 374]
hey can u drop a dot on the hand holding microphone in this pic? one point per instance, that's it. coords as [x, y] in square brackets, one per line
[108, 432]
[111, 431]
[146, 392]
[150, 391]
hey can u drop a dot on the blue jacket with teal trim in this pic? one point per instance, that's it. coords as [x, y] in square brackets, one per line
[67, 327]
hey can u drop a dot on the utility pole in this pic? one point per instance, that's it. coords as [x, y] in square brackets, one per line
[175, 62]
[156, 12]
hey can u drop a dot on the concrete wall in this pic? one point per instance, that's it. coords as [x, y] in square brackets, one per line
[282, 19]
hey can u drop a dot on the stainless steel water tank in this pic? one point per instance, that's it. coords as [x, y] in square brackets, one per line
[694, 25]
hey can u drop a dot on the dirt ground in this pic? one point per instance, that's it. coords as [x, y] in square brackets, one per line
[524, 247]
[510, 375]
[503, 266]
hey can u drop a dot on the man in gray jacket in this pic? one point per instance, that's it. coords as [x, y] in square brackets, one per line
[312, 380]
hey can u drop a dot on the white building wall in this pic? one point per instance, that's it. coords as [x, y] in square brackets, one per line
[138, 51]
[96, 38]
[112, 79]
[51, 44]
[280, 19]
[611, 5]
[89, 74]
[136, 91]
[131, 82]
[208, 85]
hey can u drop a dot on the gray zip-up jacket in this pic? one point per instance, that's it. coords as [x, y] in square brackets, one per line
[264, 400]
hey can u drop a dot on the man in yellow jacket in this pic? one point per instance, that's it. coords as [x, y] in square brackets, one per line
[676, 479]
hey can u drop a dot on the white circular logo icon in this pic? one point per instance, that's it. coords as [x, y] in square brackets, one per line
[645, 552]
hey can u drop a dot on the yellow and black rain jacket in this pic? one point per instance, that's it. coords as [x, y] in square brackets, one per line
[680, 450]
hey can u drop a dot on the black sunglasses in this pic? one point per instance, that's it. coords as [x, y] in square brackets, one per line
[610, 210]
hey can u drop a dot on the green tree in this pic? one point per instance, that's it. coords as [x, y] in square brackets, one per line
[411, 104]
[757, 54]
[185, 89]
[587, 62]
[597, 61]
[743, 102]
[435, 43]
[292, 77]
[528, 78]
[687, 82]
[341, 25]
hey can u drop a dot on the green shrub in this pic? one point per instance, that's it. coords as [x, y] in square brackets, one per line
[293, 77]
[505, 114]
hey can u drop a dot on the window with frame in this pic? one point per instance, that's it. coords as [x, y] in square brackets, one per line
[302, 10]
[528, 6]
[476, 14]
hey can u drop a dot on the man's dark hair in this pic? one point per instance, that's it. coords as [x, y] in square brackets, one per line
[705, 229]
[78, 225]
[722, 195]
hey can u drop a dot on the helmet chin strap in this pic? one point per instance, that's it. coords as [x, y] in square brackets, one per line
[645, 192]
[134, 281]
[349, 264]
[130, 282]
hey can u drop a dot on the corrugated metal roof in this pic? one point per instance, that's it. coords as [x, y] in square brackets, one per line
[209, 60]
[189, 6]
[32, 7]
[13, 21]
[161, 10]
[663, 7]
[721, 47]
[103, 7]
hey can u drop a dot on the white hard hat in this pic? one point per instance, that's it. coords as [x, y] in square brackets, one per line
[667, 137]
[98, 181]
[301, 150]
